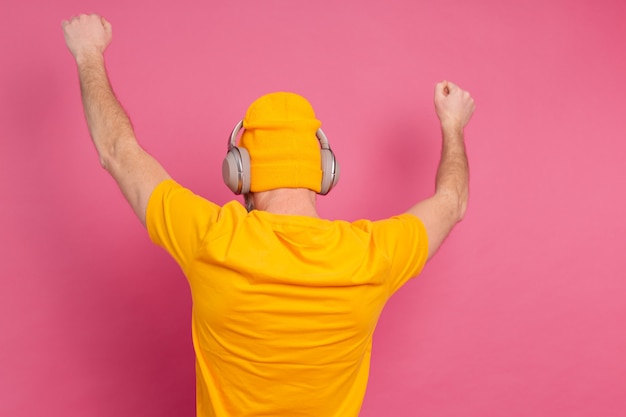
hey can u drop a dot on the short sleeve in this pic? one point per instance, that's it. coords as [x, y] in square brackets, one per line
[178, 220]
[404, 240]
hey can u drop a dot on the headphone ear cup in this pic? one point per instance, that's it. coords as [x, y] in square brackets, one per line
[330, 171]
[229, 171]
[236, 170]
[245, 168]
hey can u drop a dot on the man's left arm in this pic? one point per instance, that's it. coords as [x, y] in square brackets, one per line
[136, 172]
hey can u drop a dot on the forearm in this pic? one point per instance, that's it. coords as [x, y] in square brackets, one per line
[109, 125]
[453, 173]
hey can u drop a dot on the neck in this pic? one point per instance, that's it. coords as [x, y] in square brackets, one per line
[291, 201]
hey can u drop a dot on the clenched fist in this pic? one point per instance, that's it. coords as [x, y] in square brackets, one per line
[453, 105]
[86, 35]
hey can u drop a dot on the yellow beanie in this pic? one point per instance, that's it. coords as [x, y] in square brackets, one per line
[280, 136]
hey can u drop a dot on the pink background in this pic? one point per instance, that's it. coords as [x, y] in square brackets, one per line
[522, 312]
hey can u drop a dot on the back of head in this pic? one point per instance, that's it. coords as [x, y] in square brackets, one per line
[280, 136]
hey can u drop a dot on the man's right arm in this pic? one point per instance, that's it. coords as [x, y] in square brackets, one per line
[136, 172]
[441, 212]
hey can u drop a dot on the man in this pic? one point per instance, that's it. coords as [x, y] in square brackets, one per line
[285, 303]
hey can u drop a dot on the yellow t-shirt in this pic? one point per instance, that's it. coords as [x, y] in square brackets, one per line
[284, 307]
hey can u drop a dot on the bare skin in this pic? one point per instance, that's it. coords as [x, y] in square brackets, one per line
[294, 201]
[441, 212]
[138, 173]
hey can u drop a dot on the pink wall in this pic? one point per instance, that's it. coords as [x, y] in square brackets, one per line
[523, 311]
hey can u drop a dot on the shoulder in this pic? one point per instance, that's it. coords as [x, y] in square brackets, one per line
[400, 232]
[169, 192]
[402, 223]
[172, 206]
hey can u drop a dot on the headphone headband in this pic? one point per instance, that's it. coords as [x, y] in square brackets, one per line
[232, 140]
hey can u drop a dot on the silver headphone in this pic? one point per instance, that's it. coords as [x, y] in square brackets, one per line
[236, 165]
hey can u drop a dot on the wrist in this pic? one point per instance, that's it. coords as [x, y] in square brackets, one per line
[89, 56]
[452, 129]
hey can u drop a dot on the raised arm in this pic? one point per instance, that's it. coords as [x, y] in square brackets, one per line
[441, 212]
[136, 172]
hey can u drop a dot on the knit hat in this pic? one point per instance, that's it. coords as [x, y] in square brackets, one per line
[280, 135]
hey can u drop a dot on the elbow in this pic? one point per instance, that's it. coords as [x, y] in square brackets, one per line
[105, 147]
[107, 158]
[461, 201]
[456, 202]
[113, 154]
[462, 208]
[104, 162]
